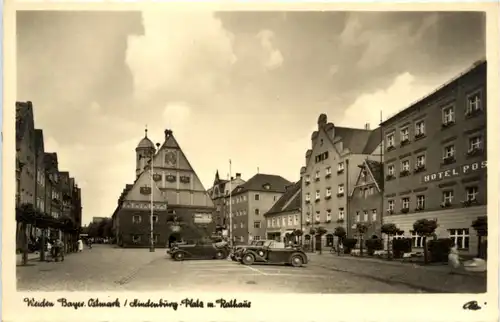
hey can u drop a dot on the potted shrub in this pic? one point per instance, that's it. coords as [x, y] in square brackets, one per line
[361, 229]
[340, 233]
[373, 244]
[439, 249]
[401, 246]
[390, 230]
[349, 244]
[425, 228]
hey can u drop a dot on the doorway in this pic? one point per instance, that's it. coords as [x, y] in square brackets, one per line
[317, 242]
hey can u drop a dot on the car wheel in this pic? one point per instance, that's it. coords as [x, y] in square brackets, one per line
[179, 256]
[247, 259]
[296, 261]
[220, 255]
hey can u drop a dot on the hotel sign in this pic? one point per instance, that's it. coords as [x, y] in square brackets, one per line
[457, 171]
[202, 218]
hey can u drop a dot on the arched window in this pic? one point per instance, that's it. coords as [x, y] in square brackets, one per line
[329, 240]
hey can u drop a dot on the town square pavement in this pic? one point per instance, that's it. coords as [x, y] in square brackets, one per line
[109, 268]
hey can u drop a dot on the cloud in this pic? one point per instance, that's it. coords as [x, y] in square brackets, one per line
[404, 90]
[186, 54]
[273, 57]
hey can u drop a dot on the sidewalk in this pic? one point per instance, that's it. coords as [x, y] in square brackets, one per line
[31, 257]
[435, 279]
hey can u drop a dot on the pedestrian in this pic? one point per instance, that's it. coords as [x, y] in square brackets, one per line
[80, 245]
[341, 249]
[453, 259]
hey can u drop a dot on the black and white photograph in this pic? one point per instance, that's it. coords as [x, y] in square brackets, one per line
[267, 152]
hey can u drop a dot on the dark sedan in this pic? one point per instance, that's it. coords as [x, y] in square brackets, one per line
[238, 250]
[200, 250]
[273, 252]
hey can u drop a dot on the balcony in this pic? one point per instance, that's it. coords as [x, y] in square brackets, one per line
[447, 124]
[419, 168]
[390, 148]
[404, 173]
[419, 136]
[475, 152]
[405, 142]
[449, 160]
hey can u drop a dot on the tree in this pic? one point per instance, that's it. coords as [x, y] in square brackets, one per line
[361, 229]
[320, 231]
[390, 230]
[298, 234]
[425, 228]
[481, 227]
[340, 233]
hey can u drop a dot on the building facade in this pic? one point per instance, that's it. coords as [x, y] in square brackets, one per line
[250, 201]
[182, 209]
[330, 173]
[283, 219]
[435, 160]
[219, 193]
[366, 203]
[37, 177]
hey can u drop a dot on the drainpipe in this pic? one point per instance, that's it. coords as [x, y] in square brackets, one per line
[347, 208]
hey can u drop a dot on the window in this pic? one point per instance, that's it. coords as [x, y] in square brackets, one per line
[317, 217]
[283, 221]
[371, 190]
[329, 240]
[340, 167]
[417, 241]
[374, 214]
[328, 214]
[234, 226]
[136, 238]
[448, 115]
[390, 169]
[420, 202]
[290, 220]
[328, 192]
[460, 237]
[365, 215]
[341, 188]
[257, 212]
[242, 225]
[155, 219]
[308, 178]
[420, 161]
[449, 151]
[316, 176]
[474, 143]
[256, 238]
[321, 157]
[257, 196]
[391, 205]
[318, 196]
[308, 197]
[405, 165]
[390, 140]
[405, 203]
[341, 214]
[357, 216]
[328, 171]
[274, 222]
[296, 219]
[473, 103]
[242, 239]
[405, 134]
[419, 128]
[268, 223]
[471, 193]
[136, 219]
[448, 196]
[256, 224]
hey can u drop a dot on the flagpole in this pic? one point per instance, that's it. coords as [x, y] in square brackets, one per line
[383, 168]
[231, 239]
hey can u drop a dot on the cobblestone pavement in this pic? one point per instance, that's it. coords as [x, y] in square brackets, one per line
[430, 278]
[107, 268]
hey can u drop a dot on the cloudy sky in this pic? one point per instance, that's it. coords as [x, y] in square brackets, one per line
[242, 85]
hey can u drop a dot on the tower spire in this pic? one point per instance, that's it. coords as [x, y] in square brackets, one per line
[146, 131]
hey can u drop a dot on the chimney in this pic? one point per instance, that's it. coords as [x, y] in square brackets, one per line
[168, 133]
[238, 175]
[367, 126]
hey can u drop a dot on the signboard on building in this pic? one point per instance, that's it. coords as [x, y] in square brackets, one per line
[202, 218]
[144, 205]
[454, 172]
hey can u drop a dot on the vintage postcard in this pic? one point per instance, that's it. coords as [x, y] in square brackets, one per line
[242, 162]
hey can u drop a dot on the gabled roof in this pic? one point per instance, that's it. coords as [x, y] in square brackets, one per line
[291, 200]
[359, 141]
[376, 170]
[264, 183]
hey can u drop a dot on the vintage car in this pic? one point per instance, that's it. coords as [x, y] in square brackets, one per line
[238, 250]
[273, 252]
[200, 250]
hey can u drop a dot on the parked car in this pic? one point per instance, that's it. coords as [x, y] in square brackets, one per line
[273, 252]
[238, 250]
[200, 250]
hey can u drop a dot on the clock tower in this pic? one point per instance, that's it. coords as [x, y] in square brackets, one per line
[144, 151]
